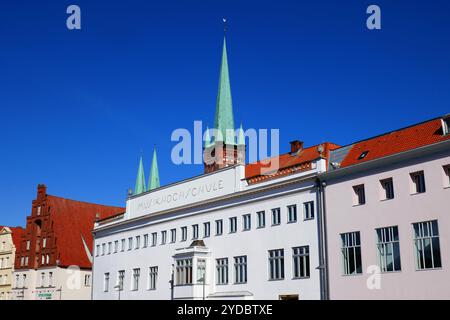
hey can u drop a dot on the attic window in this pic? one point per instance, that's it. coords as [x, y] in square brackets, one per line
[363, 155]
[446, 125]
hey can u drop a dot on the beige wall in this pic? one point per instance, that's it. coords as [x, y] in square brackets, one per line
[7, 253]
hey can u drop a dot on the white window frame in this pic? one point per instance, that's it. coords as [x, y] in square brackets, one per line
[276, 264]
[240, 269]
[152, 277]
[428, 233]
[292, 213]
[206, 229]
[388, 244]
[219, 227]
[233, 224]
[261, 215]
[276, 216]
[300, 262]
[350, 246]
[246, 222]
[222, 271]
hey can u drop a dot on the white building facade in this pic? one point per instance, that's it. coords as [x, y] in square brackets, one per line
[214, 237]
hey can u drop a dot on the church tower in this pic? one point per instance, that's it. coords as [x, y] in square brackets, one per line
[224, 146]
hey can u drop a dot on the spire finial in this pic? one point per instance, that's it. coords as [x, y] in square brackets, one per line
[224, 25]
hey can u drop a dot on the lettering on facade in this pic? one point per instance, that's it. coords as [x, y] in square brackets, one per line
[188, 194]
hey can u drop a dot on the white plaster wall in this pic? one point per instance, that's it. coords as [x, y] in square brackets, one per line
[254, 243]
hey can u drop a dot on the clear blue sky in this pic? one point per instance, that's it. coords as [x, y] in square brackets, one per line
[77, 107]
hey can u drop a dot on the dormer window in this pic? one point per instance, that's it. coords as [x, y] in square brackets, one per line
[363, 155]
[446, 125]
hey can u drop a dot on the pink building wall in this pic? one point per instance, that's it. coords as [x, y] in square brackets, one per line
[402, 211]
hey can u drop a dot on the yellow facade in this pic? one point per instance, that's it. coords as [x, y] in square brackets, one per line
[7, 254]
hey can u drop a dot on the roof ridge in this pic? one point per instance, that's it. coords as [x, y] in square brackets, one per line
[86, 202]
[392, 131]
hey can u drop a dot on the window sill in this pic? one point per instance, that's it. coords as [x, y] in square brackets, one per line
[246, 230]
[353, 275]
[416, 193]
[276, 224]
[290, 222]
[358, 204]
[273, 280]
[429, 269]
[301, 278]
[308, 219]
[384, 200]
[238, 283]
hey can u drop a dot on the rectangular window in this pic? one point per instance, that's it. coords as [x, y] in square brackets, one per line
[145, 240]
[359, 197]
[388, 247]
[387, 188]
[418, 182]
[28, 245]
[247, 222]
[276, 264]
[50, 279]
[97, 250]
[233, 224]
[122, 247]
[308, 210]
[240, 269]
[184, 272]
[195, 231]
[130, 243]
[219, 227]
[103, 249]
[154, 239]
[261, 215]
[152, 278]
[426, 244]
[120, 278]
[109, 247]
[44, 242]
[163, 237]
[136, 275]
[206, 229]
[446, 176]
[222, 271]
[292, 213]
[351, 253]
[116, 246]
[26, 261]
[300, 257]
[106, 282]
[42, 259]
[183, 233]
[201, 271]
[138, 242]
[173, 235]
[276, 216]
[42, 279]
[87, 280]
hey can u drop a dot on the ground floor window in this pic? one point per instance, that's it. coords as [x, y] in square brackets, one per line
[222, 271]
[300, 257]
[276, 264]
[184, 271]
[426, 244]
[240, 269]
[388, 249]
[351, 253]
[152, 277]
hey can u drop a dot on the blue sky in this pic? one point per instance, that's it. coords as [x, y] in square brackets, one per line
[77, 107]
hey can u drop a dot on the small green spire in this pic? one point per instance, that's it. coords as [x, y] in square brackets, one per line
[207, 138]
[224, 121]
[241, 137]
[153, 180]
[140, 179]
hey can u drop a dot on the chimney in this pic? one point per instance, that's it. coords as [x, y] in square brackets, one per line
[296, 146]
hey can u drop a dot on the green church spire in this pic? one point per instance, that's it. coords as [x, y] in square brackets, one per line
[241, 137]
[140, 179]
[207, 138]
[224, 121]
[153, 180]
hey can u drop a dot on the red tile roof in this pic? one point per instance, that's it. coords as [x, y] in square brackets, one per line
[288, 163]
[398, 141]
[74, 220]
[17, 233]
